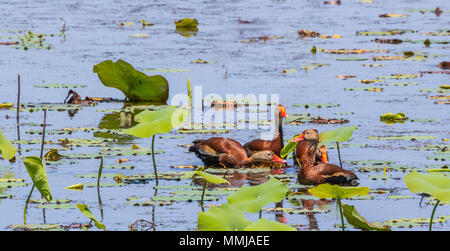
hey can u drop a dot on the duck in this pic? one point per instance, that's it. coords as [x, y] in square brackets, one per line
[313, 172]
[76, 99]
[230, 153]
[276, 144]
[299, 153]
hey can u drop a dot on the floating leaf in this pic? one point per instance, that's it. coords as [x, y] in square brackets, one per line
[186, 23]
[6, 105]
[289, 147]
[156, 122]
[338, 135]
[224, 218]
[267, 225]
[435, 184]
[392, 118]
[253, 198]
[38, 174]
[85, 210]
[134, 84]
[8, 150]
[75, 187]
[356, 220]
[211, 178]
[328, 191]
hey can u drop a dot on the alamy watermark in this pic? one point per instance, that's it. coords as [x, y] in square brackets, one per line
[250, 111]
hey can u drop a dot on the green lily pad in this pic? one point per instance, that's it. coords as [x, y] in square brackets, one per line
[267, 225]
[186, 23]
[435, 184]
[253, 198]
[156, 122]
[38, 174]
[356, 220]
[85, 210]
[224, 218]
[327, 191]
[60, 86]
[134, 84]
[8, 150]
[341, 134]
[393, 118]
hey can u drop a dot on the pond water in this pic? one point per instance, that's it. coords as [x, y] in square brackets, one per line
[240, 63]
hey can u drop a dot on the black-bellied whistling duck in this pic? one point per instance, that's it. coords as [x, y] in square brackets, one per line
[313, 172]
[301, 150]
[230, 153]
[76, 99]
[276, 144]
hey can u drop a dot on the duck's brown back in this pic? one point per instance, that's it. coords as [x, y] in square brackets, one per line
[257, 145]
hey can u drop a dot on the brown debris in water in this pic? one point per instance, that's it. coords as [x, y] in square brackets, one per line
[306, 33]
[444, 65]
[9, 43]
[320, 120]
[338, 2]
[388, 41]
[76, 99]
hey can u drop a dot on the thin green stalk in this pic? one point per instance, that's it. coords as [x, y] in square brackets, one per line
[432, 214]
[260, 213]
[43, 133]
[26, 206]
[203, 194]
[18, 111]
[339, 153]
[189, 93]
[100, 172]
[153, 156]
[340, 212]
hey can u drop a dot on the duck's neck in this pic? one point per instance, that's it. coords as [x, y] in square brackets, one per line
[278, 128]
[310, 158]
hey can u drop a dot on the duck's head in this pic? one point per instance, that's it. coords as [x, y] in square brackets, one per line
[267, 156]
[322, 151]
[282, 111]
[311, 135]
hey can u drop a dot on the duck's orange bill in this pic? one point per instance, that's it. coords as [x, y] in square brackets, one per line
[298, 138]
[283, 111]
[277, 159]
[324, 157]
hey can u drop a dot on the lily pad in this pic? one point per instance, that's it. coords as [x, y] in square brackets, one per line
[8, 150]
[356, 220]
[38, 174]
[435, 184]
[327, 191]
[156, 122]
[85, 210]
[253, 198]
[134, 84]
[341, 134]
[267, 225]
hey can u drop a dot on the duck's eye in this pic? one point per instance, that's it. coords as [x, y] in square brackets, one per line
[307, 132]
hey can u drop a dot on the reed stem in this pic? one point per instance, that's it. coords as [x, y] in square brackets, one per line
[432, 214]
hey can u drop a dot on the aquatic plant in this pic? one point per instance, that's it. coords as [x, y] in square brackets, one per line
[38, 174]
[328, 191]
[253, 198]
[85, 210]
[435, 184]
[8, 150]
[157, 122]
[231, 217]
[207, 177]
[136, 86]
[338, 135]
